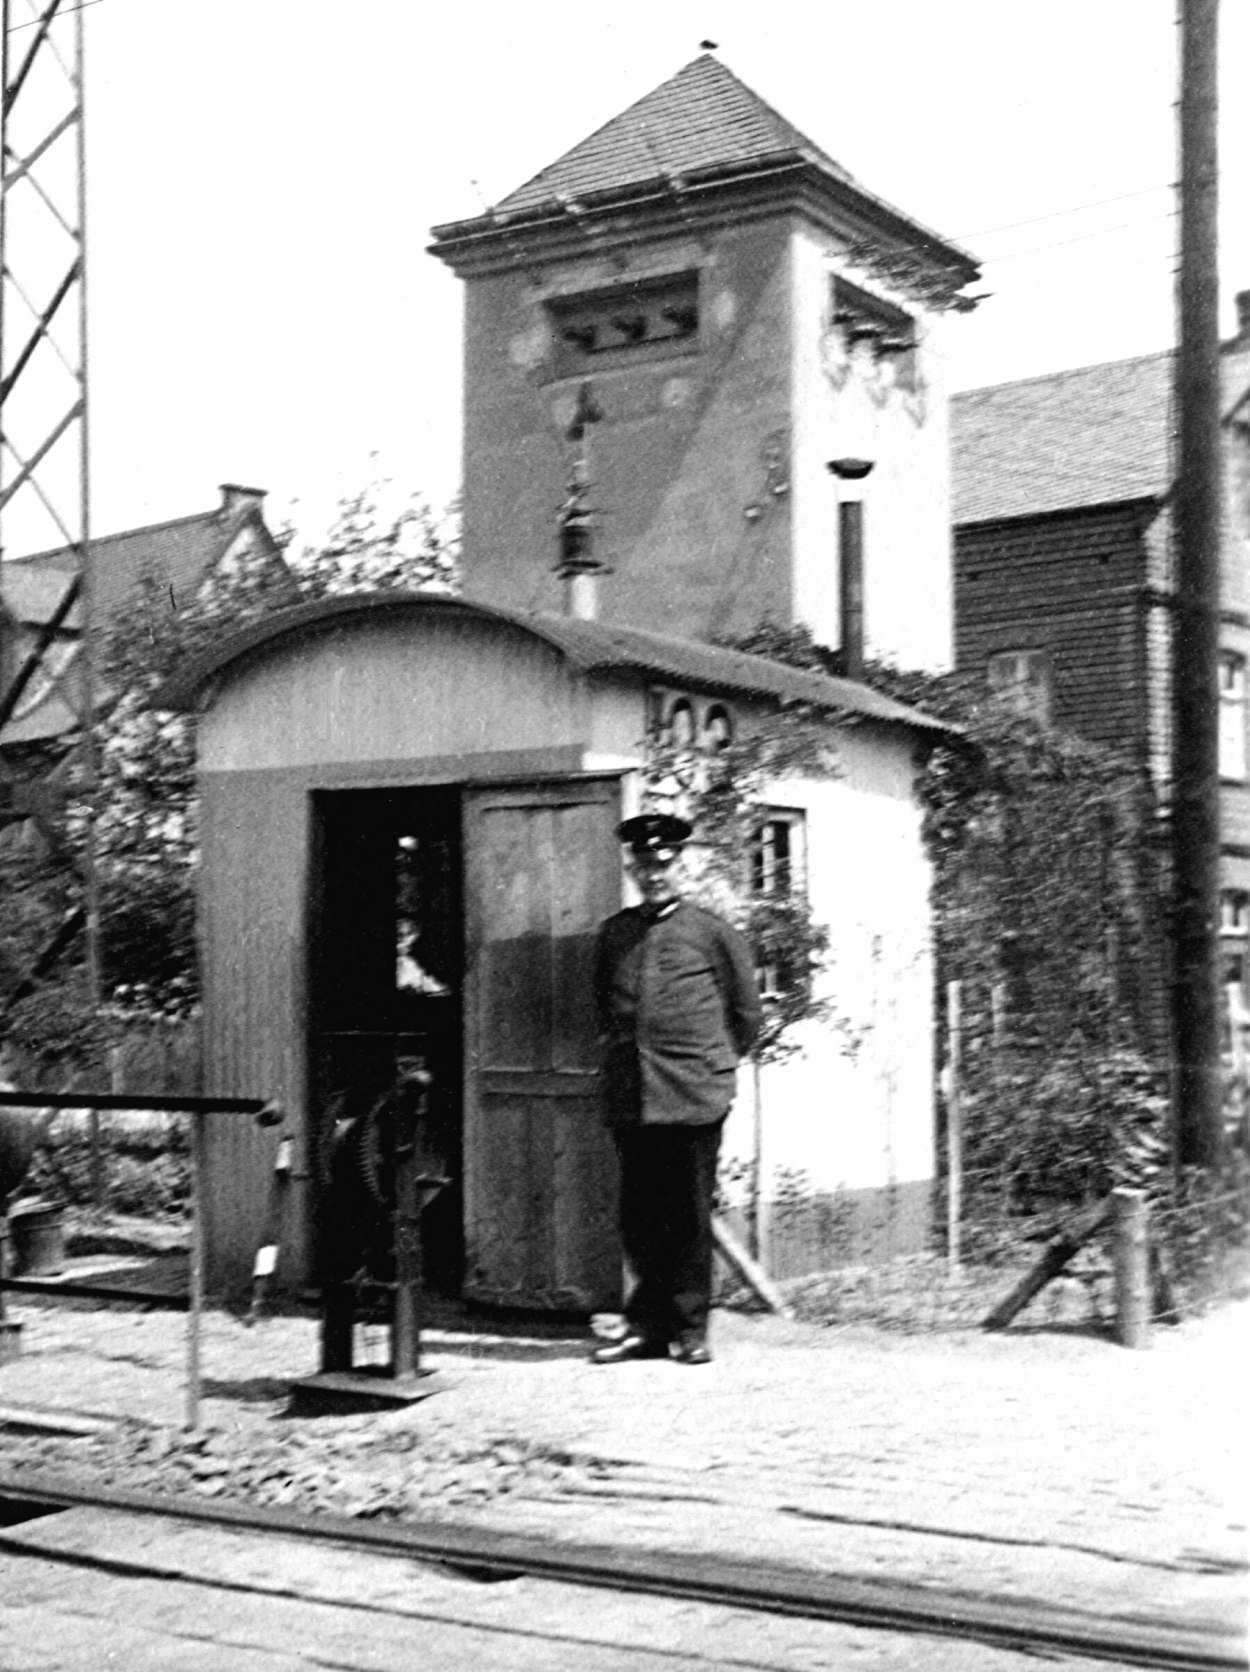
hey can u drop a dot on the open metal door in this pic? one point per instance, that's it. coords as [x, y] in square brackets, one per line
[542, 870]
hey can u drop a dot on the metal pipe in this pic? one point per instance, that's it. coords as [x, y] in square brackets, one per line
[851, 585]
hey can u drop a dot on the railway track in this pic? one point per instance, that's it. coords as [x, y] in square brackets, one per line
[1025, 1625]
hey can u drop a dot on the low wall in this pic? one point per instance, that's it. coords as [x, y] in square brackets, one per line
[827, 1230]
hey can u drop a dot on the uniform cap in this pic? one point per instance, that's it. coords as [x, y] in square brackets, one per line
[657, 833]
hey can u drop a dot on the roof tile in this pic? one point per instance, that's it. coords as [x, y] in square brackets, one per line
[1090, 436]
[702, 117]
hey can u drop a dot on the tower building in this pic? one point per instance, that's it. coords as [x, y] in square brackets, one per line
[743, 314]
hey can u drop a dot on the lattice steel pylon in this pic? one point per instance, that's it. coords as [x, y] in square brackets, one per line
[44, 409]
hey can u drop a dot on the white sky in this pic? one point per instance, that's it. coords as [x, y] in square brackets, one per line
[264, 174]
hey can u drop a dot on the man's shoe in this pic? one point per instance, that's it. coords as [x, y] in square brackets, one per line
[692, 1352]
[630, 1347]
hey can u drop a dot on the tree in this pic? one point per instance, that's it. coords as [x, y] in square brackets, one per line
[144, 801]
[725, 795]
[1044, 873]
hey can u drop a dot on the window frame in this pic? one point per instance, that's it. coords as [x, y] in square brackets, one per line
[1232, 721]
[1031, 697]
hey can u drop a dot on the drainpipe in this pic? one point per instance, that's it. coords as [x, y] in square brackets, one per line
[851, 565]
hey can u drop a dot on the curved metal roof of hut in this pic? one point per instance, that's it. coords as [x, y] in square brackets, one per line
[589, 646]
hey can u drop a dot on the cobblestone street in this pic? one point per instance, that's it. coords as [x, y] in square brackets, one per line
[1046, 1465]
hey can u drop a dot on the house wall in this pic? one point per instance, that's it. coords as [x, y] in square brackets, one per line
[849, 1119]
[681, 449]
[709, 462]
[1070, 585]
[851, 405]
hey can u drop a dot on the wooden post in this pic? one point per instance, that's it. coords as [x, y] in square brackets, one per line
[1237, 1019]
[954, 1122]
[1132, 1268]
[195, 1298]
[761, 1215]
[1197, 502]
[1074, 1234]
[998, 1013]
[739, 1260]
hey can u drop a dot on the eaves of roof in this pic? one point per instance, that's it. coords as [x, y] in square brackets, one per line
[709, 188]
[591, 647]
[699, 141]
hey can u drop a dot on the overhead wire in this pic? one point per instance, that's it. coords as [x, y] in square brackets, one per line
[1088, 273]
[1074, 209]
[63, 12]
[1083, 237]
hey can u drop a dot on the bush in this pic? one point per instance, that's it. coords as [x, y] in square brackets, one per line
[1044, 1137]
[147, 1174]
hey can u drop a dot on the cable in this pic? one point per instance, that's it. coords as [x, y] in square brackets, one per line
[63, 12]
[1058, 214]
[1081, 237]
[1088, 273]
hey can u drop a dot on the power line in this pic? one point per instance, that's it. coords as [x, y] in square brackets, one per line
[1083, 237]
[1058, 214]
[64, 11]
[1088, 273]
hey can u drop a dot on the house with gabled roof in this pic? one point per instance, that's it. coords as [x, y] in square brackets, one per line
[409, 803]
[182, 557]
[1064, 584]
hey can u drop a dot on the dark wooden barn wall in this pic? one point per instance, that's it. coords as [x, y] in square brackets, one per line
[1069, 585]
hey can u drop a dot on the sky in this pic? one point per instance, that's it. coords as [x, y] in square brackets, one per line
[263, 175]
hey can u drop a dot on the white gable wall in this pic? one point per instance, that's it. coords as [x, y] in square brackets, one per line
[849, 407]
[855, 1108]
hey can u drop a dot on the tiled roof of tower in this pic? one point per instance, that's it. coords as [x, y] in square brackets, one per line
[1090, 436]
[703, 117]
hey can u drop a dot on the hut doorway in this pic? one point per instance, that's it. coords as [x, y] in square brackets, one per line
[386, 985]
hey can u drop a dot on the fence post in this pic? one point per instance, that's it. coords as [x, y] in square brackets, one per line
[195, 1297]
[1132, 1268]
[954, 1122]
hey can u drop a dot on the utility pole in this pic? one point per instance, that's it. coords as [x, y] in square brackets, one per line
[1197, 502]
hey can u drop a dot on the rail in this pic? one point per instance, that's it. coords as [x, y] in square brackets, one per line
[263, 1111]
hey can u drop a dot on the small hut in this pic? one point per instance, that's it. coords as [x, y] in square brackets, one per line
[409, 811]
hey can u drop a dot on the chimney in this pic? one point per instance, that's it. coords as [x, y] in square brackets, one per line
[851, 565]
[235, 498]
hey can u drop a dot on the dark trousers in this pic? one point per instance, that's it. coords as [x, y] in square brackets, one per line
[668, 1176]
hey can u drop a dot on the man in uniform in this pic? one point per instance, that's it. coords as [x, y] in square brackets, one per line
[678, 1005]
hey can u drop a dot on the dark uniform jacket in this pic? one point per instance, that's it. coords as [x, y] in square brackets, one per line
[678, 1004]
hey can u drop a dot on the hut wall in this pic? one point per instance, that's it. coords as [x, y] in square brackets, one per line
[850, 1116]
[383, 693]
[451, 700]
[252, 904]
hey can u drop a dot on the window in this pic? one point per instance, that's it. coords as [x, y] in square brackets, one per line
[1234, 912]
[1234, 936]
[777, 875]
[647, 319]
[777, 856]
[718, 729]
[1021, 679]
[889, 331]
[1232, 716]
